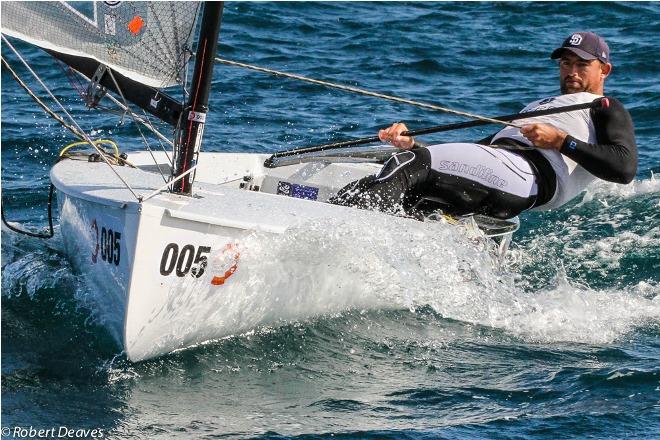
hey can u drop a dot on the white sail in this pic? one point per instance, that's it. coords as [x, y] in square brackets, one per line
[148, 42]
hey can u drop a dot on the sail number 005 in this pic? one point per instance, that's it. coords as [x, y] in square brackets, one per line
[184, 261]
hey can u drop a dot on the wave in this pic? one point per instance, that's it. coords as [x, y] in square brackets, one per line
[636, 188]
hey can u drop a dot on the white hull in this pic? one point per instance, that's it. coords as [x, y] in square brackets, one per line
[168, 273]
[145, 260]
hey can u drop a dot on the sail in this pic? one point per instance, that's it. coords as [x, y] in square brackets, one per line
[148, 42]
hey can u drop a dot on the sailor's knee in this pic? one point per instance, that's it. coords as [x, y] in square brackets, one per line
[409, 161]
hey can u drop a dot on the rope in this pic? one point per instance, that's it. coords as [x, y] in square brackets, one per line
[133, 116]
[51, 231]
[40, 102]
[364, 92]
[85, 136]
[146, 123]
[57, 117]
[168, 184]
[97, 142]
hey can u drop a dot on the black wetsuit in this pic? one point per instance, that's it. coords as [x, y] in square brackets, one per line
[410, 176]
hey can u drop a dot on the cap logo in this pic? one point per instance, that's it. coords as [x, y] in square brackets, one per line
[576, 39]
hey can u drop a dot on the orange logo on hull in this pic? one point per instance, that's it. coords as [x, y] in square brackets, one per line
[230, 256]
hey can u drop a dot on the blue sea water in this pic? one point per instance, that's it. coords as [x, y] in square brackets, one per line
[561, 342]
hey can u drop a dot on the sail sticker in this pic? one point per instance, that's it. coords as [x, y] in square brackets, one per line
[135, 25]
[200, 135]
[197, 116]
[110, 24]
[297, 191]
[153, 102]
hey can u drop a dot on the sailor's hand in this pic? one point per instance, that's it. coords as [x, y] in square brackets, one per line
[393, 136]
[544, 136]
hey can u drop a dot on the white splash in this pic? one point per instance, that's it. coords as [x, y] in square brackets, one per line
[366, 261]
[379, 262]
[26, 266]
[576, 314]
[601, 189]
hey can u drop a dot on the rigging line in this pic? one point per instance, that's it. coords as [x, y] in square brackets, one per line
[141, 120]
[51, 230]
[164, 187]
[43, 105]
[75, 82]
[365, 92]
[85, 136]
[151, 127]
[132, 115]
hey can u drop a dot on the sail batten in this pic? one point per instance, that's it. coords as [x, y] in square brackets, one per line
[148, 42]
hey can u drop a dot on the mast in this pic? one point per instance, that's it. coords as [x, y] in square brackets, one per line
[189, 143]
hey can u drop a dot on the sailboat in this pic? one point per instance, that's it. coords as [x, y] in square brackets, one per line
[161, 235]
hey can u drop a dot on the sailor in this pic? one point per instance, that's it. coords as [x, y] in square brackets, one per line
[542, 165]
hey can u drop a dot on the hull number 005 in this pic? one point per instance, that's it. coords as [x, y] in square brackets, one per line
[108, 244]
[185, 260]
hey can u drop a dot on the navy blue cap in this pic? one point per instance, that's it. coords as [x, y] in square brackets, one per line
[586, 45]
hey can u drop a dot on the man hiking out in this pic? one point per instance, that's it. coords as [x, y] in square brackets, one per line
[542, 165]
